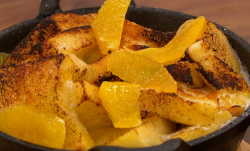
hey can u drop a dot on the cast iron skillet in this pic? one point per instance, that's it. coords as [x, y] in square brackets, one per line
[227, 138]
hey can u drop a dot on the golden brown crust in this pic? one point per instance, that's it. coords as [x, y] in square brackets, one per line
[185, 73]
[223, 50]
[18, 83]
[43, 84]
[201, 110]
[214, 71]
[75, 42]
[134, 34]
[50, 26]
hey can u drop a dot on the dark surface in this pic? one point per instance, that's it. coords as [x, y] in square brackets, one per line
[227, 138]
[172, 145]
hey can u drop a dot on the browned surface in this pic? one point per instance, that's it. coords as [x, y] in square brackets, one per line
[231, 14]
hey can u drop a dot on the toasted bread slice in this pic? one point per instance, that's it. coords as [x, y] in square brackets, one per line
[50, 26]
[193, 132]
[191, 109]
[77, 43]
[47, 84]
[223, 49]
[233, 90]
[136, 37]
[215, 72]
[217, 41]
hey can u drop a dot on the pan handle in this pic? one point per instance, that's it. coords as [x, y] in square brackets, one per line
[132, 3]
[49, 7]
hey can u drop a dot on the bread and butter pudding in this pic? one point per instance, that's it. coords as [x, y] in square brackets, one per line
[72, 79]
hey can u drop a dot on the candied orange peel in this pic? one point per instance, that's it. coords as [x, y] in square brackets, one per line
[141, 70]
[32, 125]
[121, 100]
[175, 49]
[108, 24]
